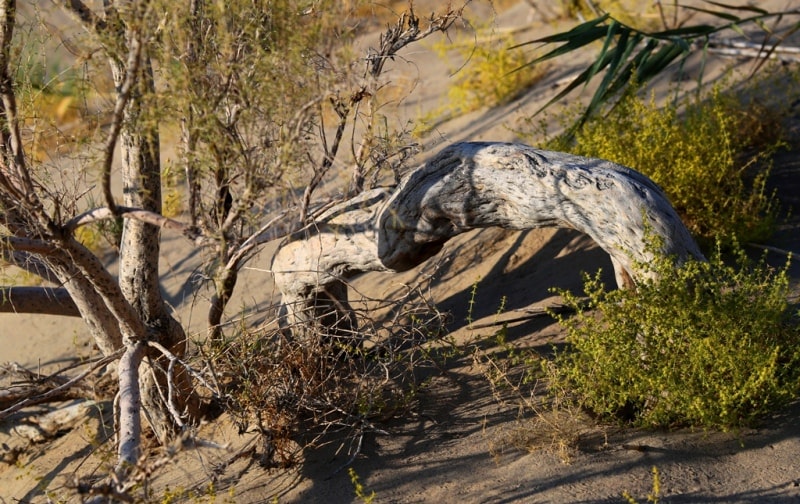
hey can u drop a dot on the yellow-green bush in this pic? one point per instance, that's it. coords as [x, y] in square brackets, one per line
[488, 73]
[708, 345]
[642, 15]
[711, 156]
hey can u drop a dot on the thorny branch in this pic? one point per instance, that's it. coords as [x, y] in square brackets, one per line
[406, 31]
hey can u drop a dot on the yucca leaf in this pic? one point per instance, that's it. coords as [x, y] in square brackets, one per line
[662, 48]
[658, 62]
[613, 28]
[685, 32]
[761, 24]
[580, 40]
[623, 50]
[624, 76]
[723, 15]
[738, 29]
[579, 30]
[749, 8]
[582, 78]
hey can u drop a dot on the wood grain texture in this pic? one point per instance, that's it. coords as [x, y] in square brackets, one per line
[476, 185]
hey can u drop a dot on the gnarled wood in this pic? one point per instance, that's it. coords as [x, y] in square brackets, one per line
[478, 185]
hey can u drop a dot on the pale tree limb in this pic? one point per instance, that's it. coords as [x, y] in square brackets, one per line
[478, 185]
[130, 406]
[39, 300]
[32, 245]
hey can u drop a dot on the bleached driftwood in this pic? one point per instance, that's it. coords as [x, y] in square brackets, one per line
[467, 186]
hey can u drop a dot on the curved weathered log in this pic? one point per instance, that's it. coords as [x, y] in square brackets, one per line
[478, 185]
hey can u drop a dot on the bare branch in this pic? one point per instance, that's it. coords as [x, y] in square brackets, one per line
[60, 389]
[91, 21]
[31, 245]
[40, 300]
[130, 406]
[123, 96]
[104, 213]
[407, 31]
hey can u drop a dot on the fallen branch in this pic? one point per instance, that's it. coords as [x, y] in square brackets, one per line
[469, 186]
[39, 300]
[23, 398]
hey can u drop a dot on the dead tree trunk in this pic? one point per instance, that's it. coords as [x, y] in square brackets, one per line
[478, 185]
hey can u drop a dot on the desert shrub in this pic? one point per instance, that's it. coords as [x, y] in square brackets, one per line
[710, 155]
[489, 72]
[298, 391]
[634, 13]
[708, 344]
[489, 77]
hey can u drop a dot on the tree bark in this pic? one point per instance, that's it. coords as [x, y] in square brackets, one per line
[139, 277]
[478, 185]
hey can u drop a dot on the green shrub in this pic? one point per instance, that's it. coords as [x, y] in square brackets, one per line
[707, 345]
[710, 155]
[490, 72]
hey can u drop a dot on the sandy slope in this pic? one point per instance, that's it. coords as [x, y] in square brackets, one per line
[451, 447]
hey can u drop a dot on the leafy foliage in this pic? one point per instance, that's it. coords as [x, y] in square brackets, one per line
[709, 154]
[708, 345]
[632, 56]
[486, 78]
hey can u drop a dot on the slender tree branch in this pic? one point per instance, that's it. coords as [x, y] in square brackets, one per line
[123, 96]
[31, 245]
[39, 300]
[104, 213]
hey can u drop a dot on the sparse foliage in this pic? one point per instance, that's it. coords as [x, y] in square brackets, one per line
[711, 155]
[262, 95]
[708, 345]
[629, 55]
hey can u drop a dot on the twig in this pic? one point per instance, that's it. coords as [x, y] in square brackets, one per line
[173, 358]
[104, 213]
[533, 314]
[54, 392]
[788, 253]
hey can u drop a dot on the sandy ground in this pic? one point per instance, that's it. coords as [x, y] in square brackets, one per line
[455, 445]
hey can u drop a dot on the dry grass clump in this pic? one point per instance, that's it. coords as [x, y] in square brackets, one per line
[316, 388]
